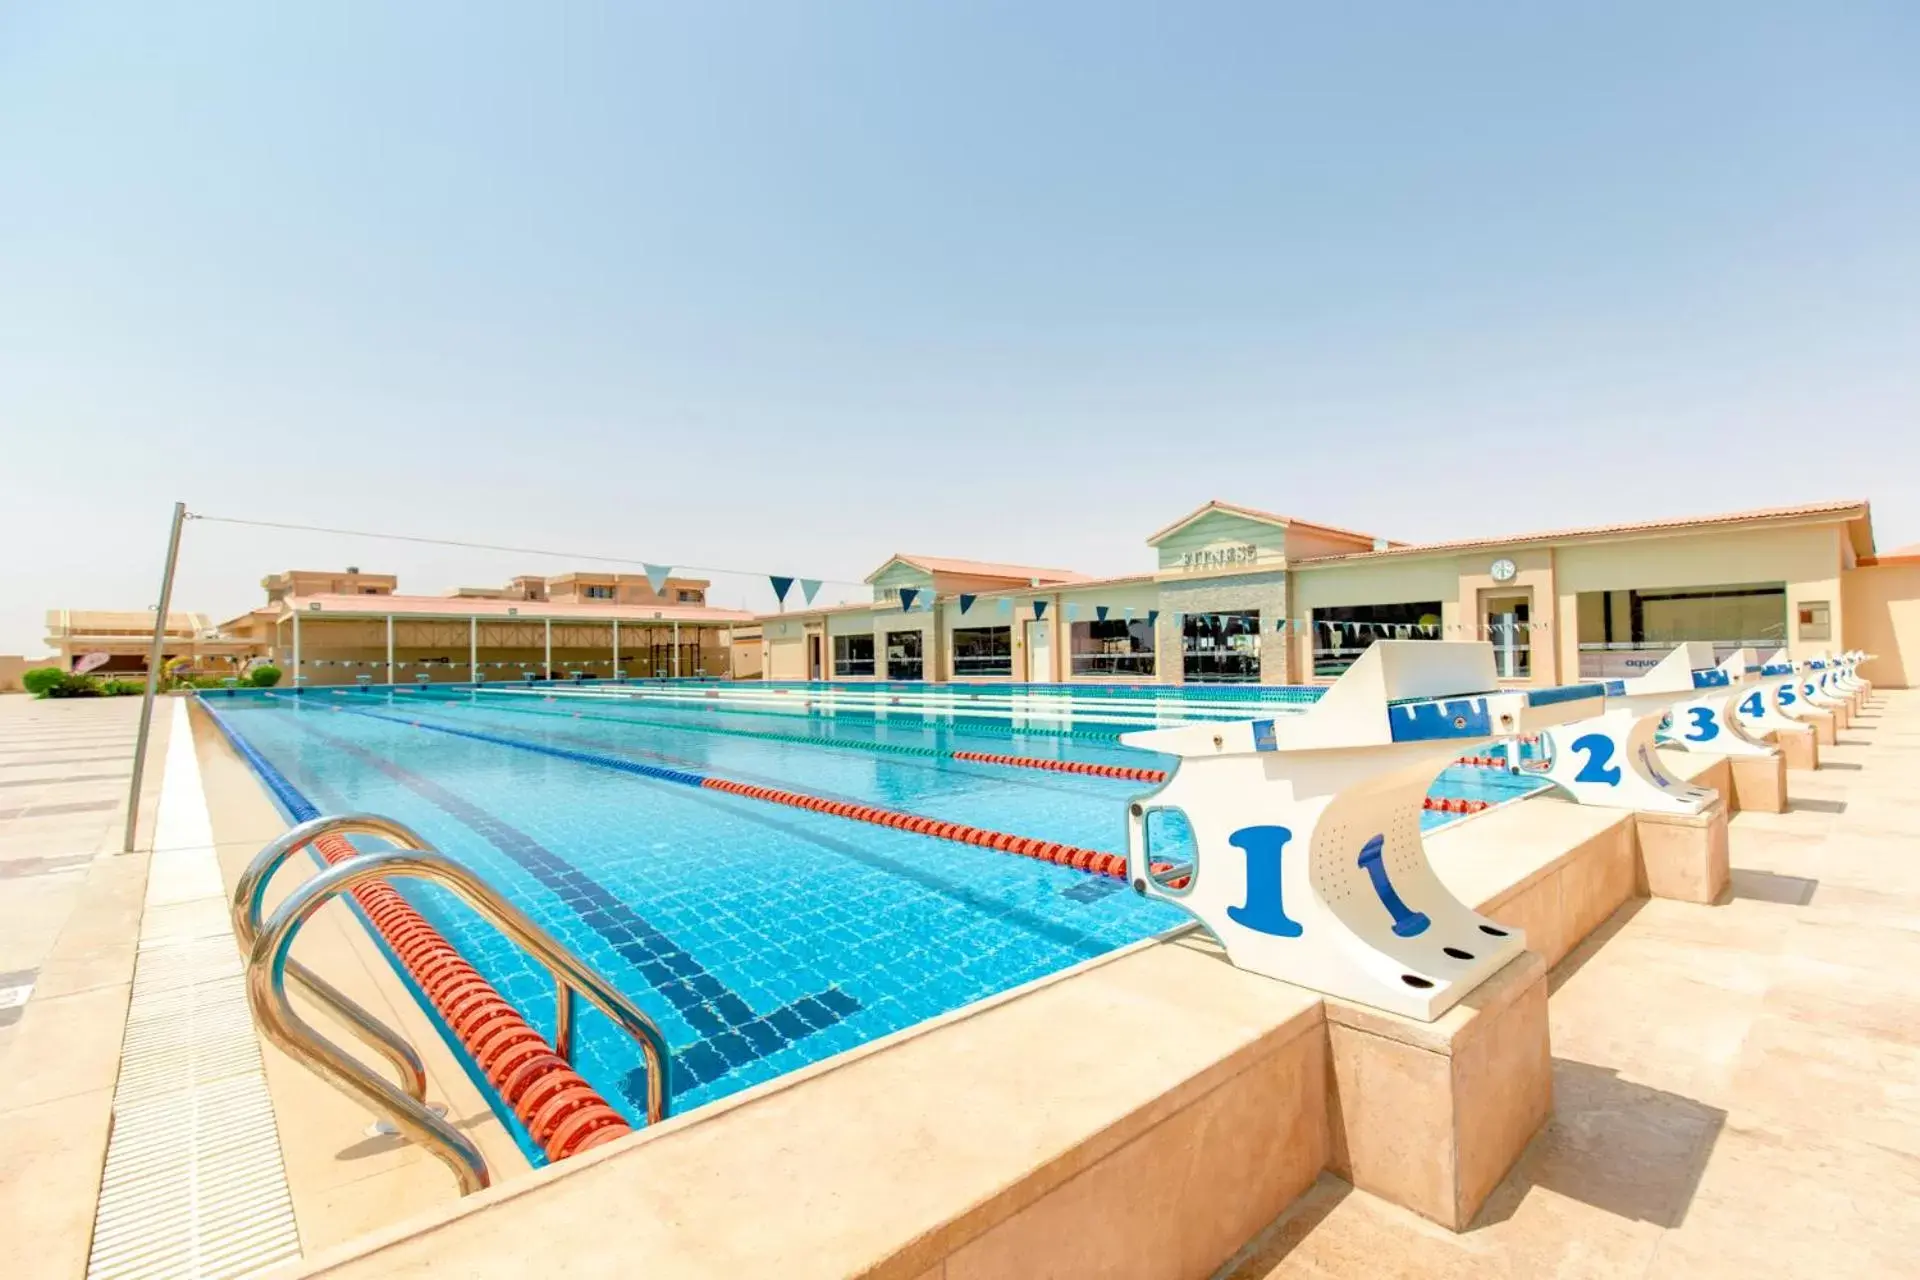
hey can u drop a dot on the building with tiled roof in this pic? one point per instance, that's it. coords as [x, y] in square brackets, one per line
[1242, 594]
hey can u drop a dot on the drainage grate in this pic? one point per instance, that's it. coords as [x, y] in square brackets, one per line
[194, 1184]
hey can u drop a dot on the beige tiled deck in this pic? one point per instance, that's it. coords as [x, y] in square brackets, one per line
[69, 915]
[343, 1181]
[1737, 1087]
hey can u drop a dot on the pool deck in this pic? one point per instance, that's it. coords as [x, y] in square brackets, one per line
[70, 906]
[1737, 1087]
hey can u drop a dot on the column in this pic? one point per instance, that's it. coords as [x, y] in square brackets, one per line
[389, 648]
[616, 648]
[547, 671]
[473, 651]
[676, 648]
[296, 650]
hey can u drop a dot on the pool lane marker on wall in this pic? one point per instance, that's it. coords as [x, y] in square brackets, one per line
[1309, 864]
[562, 1113]
[1065, 855]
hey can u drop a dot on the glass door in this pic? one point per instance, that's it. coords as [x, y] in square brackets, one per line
[1505, 617]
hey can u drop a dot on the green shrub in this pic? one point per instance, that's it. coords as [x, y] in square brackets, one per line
[72, 686]
[40, 681]
[264, 677]
[123, 688]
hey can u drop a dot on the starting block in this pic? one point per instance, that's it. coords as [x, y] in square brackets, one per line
[1308, 862]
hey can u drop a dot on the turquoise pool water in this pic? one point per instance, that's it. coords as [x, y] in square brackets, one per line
[761, 938]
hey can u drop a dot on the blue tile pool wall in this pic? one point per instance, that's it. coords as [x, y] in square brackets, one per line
[776, 908]
[761, 938]
[297, 807]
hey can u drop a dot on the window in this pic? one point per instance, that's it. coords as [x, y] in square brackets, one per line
[1221, 648]
[688, 597]
[903, 655]
[1623, 633]
[853, 655]
[1115, 647]
[1344, 632]
[598, 593]
[982, 651]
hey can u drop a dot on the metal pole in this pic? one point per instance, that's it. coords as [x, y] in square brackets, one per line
[389, 648]
[154, 656]
[473, 651]
[546, 672]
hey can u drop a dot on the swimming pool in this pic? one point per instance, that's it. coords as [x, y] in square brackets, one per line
[761, 938]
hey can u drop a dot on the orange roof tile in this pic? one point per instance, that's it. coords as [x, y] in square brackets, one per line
[1077, 584]
[529, 610]
[88, 621]
[1252, 513]
[1900, 555]
[1756, 516]
[979, 568]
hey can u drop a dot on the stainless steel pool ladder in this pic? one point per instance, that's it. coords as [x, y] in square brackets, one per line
[269, 966]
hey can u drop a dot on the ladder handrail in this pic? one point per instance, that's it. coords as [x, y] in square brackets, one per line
[249, 894]
[269, 964]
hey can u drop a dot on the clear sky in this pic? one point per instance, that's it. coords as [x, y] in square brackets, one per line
[790, 287]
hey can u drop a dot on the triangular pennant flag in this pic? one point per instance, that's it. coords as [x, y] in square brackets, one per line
[657, 576]
[1006, 605]
[966, 602]
[780, 586]
[1127, 613]
[809, 588]
[907, 595]
[1073, 611]
[1153, 617]
[1100, 612]
[1039, 608]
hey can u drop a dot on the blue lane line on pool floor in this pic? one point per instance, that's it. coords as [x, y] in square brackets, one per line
[298, 808]
[732, 1034]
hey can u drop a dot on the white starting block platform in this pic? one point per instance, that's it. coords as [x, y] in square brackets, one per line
[1308, 862]
[1710, 722]
[1608, 760]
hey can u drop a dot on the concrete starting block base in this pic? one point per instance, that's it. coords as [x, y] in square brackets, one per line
[1432, 1115]
[1760, 782]
[1683, 855]
[1800, 747]
[1824, 726]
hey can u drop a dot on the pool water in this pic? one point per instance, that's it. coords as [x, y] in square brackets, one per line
[761, 938]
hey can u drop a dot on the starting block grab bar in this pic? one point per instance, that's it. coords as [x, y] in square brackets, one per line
[1308, 863]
